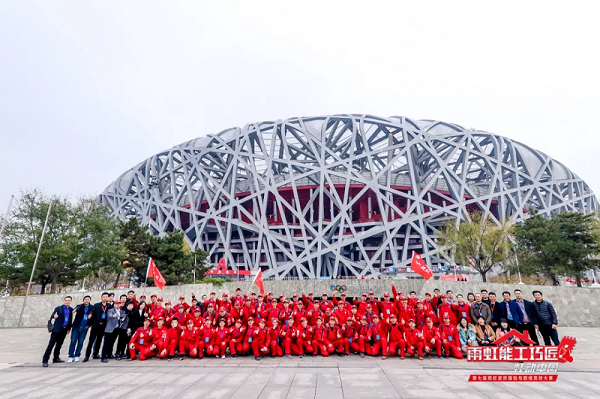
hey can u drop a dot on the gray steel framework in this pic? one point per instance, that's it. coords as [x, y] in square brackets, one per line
[284, 195]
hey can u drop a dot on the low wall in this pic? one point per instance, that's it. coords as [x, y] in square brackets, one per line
[576, 307]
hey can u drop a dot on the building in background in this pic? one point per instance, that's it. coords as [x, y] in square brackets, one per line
[339, 195]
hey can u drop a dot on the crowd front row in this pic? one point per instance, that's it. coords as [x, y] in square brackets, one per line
[439, 325]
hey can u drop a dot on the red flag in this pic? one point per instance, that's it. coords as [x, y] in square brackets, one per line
[153, 272]
[259, 282]
[418, 265]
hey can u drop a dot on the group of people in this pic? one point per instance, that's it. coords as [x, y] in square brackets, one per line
[397, 325]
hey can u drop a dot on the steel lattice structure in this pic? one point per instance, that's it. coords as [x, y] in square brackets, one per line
[338, 195]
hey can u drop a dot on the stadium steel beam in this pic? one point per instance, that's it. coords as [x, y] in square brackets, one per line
[336, 195]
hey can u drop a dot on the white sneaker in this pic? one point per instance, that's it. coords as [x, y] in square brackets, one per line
[76, 359]
[222, 357]
[70, 360]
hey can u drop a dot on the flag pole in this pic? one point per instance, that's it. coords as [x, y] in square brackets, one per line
[147, 270]
[37, 255]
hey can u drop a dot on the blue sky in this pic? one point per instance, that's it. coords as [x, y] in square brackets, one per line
[89, 89]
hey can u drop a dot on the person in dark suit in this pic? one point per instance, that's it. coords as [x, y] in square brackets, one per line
[98, 323]
[63, 320]
[529, 316]
[496, 309]
[511, 312]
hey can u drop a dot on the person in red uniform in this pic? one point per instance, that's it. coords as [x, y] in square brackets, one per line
[405, 311]
[169, 313]
[285, 313]
[361, 304]
[446, 308]
[140, 341]
[188, 343]
[251, 331]
[305, 333]
[168, 342]
[152, 304]
[364, 336]
[350, 337]
[248, 310]
[158, 311]
[299, 313]
[354, 317]
[212, 300]
[220, 339]
[295, 301]
[462, 309]
[397, 344]
[280, 305]
[333, 338]
[236, 338]
[414, 340]
[308, 301]
[319, 342]
[274, 333]
[205, 336]
[261, 307]
[369, 314]
[222, 315]
[182, 303]
[450, 338]
[342, 303]
[196, 317]
[373, 302]
[157, 333]
[210, 313]
[287, 335]
[181, 317]
[236, 311]
[379, 338]
[272, 314]
[433, 339]
[341, 313]
[427, 304]
[325, 304]
[387, 307]
[296, 344]
[313, 313]
[261, 341]
[224, 302]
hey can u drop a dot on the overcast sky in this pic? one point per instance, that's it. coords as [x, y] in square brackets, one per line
[91, 88]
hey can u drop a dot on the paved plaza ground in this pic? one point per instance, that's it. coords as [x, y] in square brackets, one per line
[352, 377]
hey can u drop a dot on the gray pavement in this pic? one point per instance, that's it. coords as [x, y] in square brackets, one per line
[331, 378]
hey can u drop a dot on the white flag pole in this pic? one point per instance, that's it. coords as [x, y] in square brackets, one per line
[37, 255]
[147, 271]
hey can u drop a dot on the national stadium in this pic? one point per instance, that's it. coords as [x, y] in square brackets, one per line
[339, 195]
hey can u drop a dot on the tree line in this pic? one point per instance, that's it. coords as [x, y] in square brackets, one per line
[567, 244]
[83, 240]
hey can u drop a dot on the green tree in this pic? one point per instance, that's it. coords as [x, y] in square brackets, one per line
[478, 238]
[579, 244]
[538, 243]
[80, 238]
[171, 253]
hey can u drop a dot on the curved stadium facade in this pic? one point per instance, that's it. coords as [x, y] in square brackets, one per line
[348, 195]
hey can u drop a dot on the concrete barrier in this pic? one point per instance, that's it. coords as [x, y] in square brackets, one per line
[576, 307]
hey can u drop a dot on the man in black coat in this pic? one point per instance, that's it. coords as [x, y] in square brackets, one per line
[498, 311]
[547, 321]
[529, 316]
[63, 320]
[98, 323]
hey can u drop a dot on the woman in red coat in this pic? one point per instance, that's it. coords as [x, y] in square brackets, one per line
[274, 333]
[333, 338]
[220, 340]
[205, 336]
[319, 342]
[397, 343]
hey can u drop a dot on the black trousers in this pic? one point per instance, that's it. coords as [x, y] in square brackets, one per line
[56, 342]
[109, 342]
[95, 340]
[548, 332]
[530, 328]
[123, 341]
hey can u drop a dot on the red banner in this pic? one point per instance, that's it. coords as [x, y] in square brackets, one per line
[513, 377]
[418, 266]
[153, 272]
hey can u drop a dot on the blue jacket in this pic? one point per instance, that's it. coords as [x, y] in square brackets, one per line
[469, 335]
